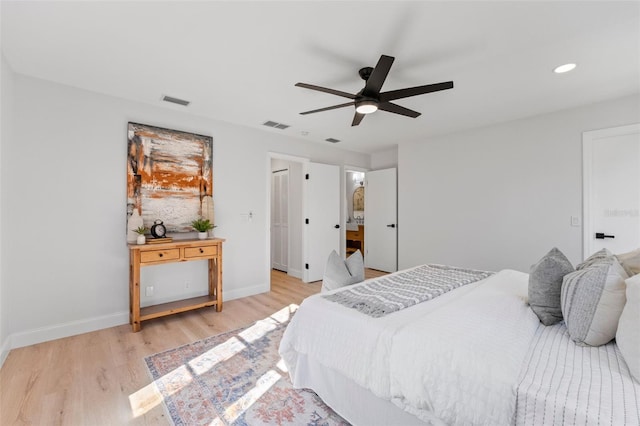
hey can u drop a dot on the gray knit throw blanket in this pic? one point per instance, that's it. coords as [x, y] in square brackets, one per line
[392, 293]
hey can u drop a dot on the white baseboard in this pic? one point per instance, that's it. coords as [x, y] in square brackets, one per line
[4, 350]
[58, 331]
[72, 328]
[246, 291]
[295, 273]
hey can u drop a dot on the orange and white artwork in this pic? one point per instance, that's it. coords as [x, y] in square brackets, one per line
[169, 176]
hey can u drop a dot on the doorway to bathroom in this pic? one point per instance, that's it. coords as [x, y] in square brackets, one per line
[355, 212]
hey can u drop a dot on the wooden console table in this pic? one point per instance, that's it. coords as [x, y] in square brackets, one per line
[176, 251]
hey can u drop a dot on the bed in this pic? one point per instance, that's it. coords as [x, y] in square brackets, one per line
[471, 354]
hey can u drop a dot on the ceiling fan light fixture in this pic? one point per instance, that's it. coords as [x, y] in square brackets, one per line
[366, 107]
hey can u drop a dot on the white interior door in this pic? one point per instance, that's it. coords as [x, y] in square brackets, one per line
[611, 189]
[380, 221]
[321, 235]
[280, 220]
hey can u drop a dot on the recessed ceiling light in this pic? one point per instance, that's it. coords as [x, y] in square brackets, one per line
[564, 68]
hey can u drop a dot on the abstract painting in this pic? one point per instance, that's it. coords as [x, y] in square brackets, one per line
[169, 176]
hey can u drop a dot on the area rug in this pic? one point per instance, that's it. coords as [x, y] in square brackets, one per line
[236, 378]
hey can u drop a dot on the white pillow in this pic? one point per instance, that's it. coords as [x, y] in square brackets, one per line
[628, 335]
[630, 262]
[339, 273]
[592, 300]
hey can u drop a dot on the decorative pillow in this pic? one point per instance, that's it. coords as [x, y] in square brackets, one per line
[628, 335]
[630, 262]
[596, 257]
[339, 273]
[592, 300]
[545, 283]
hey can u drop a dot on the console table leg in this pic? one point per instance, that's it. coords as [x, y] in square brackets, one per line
[218, 277]
[134, 289]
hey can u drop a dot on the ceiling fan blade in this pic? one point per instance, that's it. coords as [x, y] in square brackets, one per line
[327, 108]
[378, 76]
[397, 109]
[326, 90]
[357, 119]
[414, 91]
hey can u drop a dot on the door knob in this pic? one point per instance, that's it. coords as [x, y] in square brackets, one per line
[602, 236]
[337, 226]
[393, 225]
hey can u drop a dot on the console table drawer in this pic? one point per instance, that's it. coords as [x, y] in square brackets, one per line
[159, 255]
[205, 251]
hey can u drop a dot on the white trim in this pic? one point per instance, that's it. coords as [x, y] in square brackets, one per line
[71, 328]
[588, 139]
[296, 273]
[4, 350]
[246, 291]
[348, 168]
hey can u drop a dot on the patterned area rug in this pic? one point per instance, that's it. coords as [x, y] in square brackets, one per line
[236, 378]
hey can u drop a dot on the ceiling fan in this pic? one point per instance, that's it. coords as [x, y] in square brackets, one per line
[370, 99]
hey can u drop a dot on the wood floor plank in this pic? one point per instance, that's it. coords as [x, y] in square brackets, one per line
[100, 378]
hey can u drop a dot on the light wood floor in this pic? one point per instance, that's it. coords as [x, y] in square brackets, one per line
[88, 379]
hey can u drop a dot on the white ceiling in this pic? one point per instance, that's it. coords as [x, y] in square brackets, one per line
[238, 61]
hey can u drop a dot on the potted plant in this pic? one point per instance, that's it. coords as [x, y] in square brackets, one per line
[140, 231]
[202, 225]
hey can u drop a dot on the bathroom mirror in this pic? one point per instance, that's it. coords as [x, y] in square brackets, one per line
[358, 199]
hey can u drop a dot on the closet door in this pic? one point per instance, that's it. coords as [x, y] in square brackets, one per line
[280, 220]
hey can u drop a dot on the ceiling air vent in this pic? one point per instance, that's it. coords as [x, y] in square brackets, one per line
[332, 140]
[275, 125]
[175, 100]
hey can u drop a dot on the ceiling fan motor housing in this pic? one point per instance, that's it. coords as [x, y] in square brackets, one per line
[365, 73]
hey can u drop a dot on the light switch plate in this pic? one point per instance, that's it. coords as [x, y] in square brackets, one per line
[575, 221]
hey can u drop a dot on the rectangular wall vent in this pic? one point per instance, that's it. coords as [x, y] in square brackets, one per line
[275, 125]
[175, 100]
[332, 140]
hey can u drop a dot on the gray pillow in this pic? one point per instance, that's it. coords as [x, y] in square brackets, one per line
[339, 273]
[596, 257]
[592, 300]
[545, 283]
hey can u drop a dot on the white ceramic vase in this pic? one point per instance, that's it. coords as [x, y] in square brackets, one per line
[141, 239]
[134, 222]
[202, 235]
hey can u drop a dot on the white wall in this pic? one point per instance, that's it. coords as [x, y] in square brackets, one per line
[65, 259]
[6, 99]
[384, 159]
[502, 196]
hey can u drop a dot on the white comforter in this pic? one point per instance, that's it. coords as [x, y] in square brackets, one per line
[455, 358]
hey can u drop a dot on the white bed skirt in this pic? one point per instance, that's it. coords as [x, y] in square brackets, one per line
[354, 403]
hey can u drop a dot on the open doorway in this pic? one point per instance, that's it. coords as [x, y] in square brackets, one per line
[355, 212]
[286, 215]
